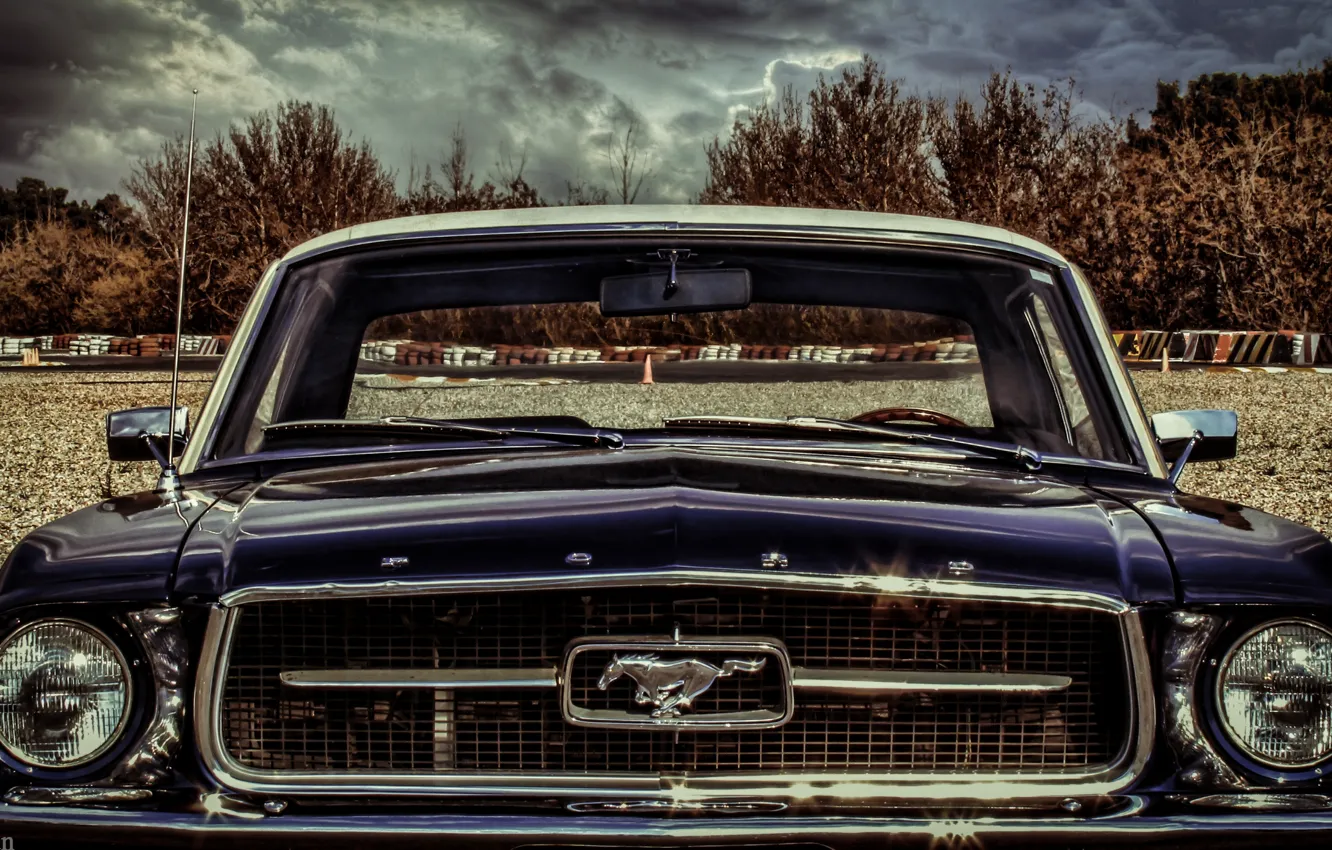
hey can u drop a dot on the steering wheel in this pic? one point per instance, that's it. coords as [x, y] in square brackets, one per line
[910, 414]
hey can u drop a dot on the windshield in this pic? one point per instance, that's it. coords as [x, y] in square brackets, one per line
[537, 339]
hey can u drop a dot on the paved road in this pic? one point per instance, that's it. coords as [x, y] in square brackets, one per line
[120, 363]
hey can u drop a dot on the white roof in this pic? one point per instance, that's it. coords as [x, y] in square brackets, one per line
[681, 216]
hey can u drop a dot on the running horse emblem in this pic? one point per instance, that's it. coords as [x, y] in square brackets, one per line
[671, 687]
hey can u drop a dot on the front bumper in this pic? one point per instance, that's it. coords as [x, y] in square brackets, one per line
[88, 827]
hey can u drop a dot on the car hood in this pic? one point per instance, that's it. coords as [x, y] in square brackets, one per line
[1227, 553]
[121, 549]
[670, 508]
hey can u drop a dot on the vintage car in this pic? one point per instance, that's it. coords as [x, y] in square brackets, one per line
[887, 551]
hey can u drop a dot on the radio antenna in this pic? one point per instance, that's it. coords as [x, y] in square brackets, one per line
[169, 480]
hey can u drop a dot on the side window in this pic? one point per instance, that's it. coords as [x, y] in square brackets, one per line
[1085, 439]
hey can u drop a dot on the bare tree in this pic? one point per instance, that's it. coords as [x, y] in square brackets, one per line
[158, 188]
[628, 155]
[460, 179]
[459, 191]
[579, 193]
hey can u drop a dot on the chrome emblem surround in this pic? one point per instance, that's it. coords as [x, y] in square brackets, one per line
[669, 677]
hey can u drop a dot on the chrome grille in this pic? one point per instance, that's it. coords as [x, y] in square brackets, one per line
[268, 726]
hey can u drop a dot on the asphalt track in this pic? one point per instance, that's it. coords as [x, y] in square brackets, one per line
[117, 363]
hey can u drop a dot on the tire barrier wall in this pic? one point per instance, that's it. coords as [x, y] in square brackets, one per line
[1213, 348]
[415, 353]
[1229, 348]
[148, 345]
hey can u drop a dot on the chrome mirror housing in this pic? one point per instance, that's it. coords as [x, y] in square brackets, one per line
[1194, 435]
[141, 433]
[1219, 430]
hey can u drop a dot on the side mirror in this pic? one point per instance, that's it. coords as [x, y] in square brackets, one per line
[141, 434]
[1195, 435]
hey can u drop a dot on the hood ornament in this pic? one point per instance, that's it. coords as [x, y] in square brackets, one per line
[671, 687]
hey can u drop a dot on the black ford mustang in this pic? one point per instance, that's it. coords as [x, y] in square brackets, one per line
[888, 552]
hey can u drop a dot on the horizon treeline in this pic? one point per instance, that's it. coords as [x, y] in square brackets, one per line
[1216, 214]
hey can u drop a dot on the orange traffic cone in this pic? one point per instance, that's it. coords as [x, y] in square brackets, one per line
[647, 370]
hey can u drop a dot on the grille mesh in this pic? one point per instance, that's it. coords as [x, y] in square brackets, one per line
[270, 726]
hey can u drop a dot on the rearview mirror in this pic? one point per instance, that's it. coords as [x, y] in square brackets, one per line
[129, 433]
[1175, 431]
[683, 291]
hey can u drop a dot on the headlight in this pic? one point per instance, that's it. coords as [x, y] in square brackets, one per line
[64, 693]
[1276, 694]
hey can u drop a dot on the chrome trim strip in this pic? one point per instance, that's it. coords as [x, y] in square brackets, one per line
[1112, 779]
[1142, 708]
[77, 795]
[454, 678]
[1111, 366]
[671, 227]
[1254, 802]
[727, 807]
[827, 680]
[222, 390]
[849, 681]
[1191, 633]
[890, 585]
[442, 828]
[1056, 387]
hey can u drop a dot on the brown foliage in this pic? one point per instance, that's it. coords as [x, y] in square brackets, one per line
[1024, 162]
[1021, 160]
[1215, 223]
[583, 325]
[861, 144]
[259, 190]
[1218, 215]
[1228, 227]
[54, 277]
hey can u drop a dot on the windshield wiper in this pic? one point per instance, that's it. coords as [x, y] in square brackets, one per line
[1021, 455]
[420, 425]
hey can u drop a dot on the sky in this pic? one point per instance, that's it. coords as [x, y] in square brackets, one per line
[89, 87]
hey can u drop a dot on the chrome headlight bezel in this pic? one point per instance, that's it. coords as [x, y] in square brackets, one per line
[127, 675]
[1218, 679]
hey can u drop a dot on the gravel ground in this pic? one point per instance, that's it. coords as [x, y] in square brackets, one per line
[1284, 465]
[53, 453]
[53, 441]
[633, 406]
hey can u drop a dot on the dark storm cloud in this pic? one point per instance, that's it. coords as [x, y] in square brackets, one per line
[692, 123]
[48, 46]
[89, 86]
